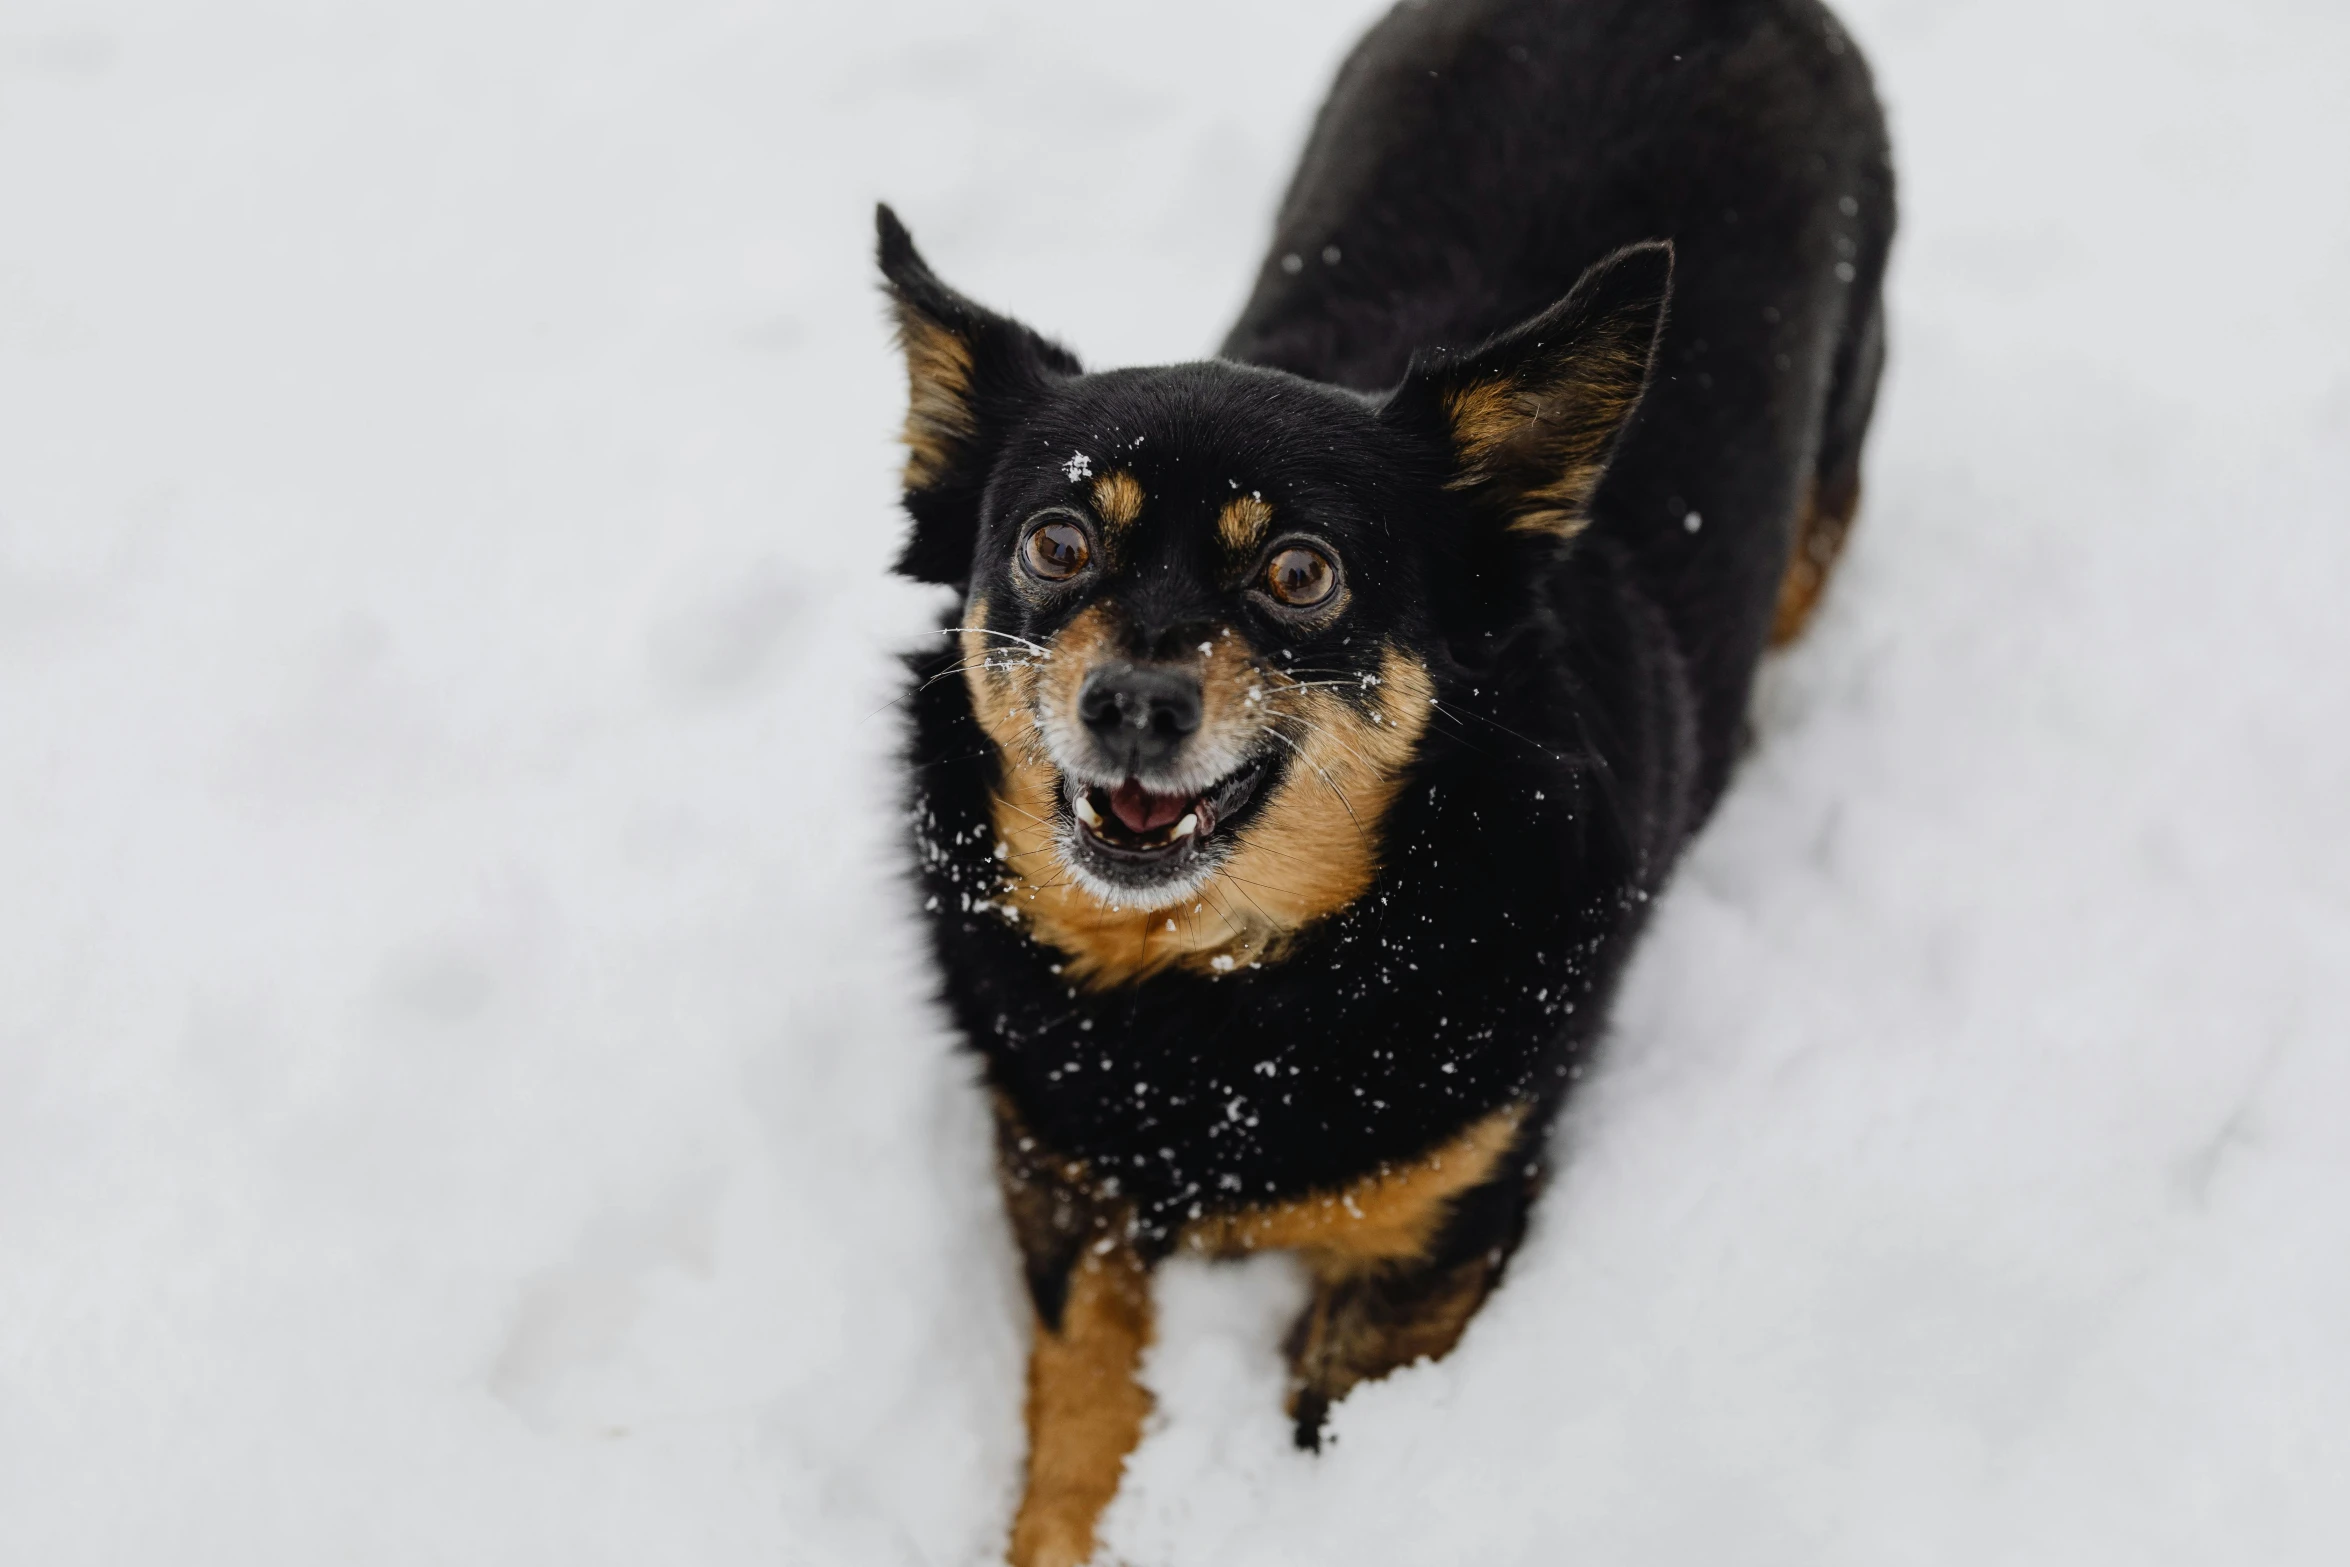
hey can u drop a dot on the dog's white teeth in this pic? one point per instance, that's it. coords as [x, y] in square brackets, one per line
[1086, 813]
[1185, 827]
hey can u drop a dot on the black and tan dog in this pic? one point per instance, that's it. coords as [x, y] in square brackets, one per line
[1319, 720]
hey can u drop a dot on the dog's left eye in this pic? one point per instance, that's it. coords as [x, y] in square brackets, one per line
[1300, 577]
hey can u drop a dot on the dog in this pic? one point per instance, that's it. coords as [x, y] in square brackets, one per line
[1318, 722]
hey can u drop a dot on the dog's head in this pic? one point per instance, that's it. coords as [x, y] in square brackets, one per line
[1209, 608]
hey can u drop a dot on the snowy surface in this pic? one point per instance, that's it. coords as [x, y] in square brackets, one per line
[465, 1089]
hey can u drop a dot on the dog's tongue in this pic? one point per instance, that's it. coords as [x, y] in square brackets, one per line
[1143, 811]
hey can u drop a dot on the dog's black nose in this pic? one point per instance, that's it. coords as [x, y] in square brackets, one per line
[1140, 716]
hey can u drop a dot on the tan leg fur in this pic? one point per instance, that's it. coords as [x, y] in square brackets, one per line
[1820, 533]
[1373, 1309]
[1085, 1408]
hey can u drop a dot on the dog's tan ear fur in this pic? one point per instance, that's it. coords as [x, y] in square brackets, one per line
[1533, 415]
[940, 421]
[970, 373]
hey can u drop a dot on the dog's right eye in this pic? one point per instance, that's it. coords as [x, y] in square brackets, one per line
[1056, 550]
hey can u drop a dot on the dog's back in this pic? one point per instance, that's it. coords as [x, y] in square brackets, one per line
[1476, 155]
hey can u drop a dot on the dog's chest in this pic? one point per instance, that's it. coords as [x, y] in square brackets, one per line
[1207, 1096]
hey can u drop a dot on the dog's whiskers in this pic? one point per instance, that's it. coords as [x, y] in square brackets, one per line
[1314, 731]
[989, 631]
[1327, 782]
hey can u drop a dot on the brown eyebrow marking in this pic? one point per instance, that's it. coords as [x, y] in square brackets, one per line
[1117, 497]
[1244, 522]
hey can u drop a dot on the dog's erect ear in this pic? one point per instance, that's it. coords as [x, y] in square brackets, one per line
[970, 375]
[1532, 416]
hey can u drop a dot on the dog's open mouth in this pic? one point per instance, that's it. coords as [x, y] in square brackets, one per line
[1131, 826]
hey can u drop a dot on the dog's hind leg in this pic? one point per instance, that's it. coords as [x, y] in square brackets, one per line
[1820, 530]
[1833, 495]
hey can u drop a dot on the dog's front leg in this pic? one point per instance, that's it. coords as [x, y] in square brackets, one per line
[1374, 1310]
[1085, 1407]
[1364, 1322]
[1091, 1290]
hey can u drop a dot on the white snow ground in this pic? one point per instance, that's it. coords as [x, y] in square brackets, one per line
[465, 1089]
